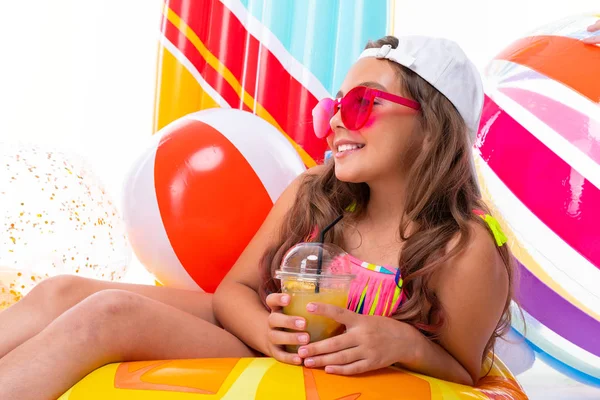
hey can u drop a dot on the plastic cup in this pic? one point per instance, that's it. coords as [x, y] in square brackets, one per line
[305, 282]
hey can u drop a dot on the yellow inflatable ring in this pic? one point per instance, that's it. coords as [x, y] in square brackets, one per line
[266, 378]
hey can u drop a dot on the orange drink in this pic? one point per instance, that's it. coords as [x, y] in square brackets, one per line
[306, 281]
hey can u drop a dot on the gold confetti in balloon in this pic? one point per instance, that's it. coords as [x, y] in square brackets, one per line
[55, 218]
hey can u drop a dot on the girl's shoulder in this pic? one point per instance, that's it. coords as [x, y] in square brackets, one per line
[485, 235]
[479, 260]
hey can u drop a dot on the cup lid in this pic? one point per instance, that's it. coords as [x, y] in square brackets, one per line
[302, 260]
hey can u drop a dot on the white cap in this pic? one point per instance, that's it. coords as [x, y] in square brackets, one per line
[443, 64]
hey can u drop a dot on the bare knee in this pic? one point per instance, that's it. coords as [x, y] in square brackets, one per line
[108, 318]
[111, 305]
[57, 293]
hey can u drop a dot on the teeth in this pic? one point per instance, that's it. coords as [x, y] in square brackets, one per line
[345, 147]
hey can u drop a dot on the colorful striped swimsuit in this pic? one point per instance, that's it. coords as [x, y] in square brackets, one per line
[376, 290]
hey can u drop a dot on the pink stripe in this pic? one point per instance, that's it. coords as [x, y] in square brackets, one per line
[381, 300]
[557, 194]
[356, 289]
[579, 129]
[397, 303]
[383, 296]
[390, 307]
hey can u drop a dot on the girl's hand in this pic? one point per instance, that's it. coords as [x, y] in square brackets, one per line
[277, 338]
[369, 343]
[593, 28]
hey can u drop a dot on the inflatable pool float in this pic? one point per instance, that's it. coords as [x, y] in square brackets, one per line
[265, 378]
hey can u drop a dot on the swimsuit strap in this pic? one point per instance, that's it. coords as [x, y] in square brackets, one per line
[494, 227]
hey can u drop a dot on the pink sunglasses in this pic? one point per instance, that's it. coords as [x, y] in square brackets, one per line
[356, 107]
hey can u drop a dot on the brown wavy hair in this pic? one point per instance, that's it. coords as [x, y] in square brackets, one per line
[442, 194]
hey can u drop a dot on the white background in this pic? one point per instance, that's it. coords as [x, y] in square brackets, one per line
[80, 75]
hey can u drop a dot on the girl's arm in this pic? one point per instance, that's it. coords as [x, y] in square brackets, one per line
[431, 359]
[236, 303]
[472, 289]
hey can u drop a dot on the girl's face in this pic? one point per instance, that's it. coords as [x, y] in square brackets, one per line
[387, 144]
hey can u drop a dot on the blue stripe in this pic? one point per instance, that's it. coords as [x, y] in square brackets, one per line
[360, 21]
[560, 366]
[362, 306]
[326, 36]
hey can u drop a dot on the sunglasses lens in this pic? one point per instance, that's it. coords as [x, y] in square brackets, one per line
[322, 114]
[356, 107]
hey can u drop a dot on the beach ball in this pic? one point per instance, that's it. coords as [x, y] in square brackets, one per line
[197, 195]
[538, 159]
[55, 218]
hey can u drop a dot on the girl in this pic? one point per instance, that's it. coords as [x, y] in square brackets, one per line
[400, 132]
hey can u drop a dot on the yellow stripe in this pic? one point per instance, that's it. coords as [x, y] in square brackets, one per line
[387, 305]
[247, 383]
[362, 297]
[375, 301]
[393, 17]
[397, 292]
[66, 395]
[180, 96]
[218, 66]
[280, 378]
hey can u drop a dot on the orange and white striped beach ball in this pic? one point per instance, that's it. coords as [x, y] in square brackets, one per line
[198, 194]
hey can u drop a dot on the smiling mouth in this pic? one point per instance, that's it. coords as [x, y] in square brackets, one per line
[347, 147]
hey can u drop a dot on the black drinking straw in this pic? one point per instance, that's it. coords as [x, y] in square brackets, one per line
[322, 241]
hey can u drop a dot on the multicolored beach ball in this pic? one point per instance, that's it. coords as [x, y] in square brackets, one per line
[538, 160]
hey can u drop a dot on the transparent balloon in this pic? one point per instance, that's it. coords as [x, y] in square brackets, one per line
[55, 218]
